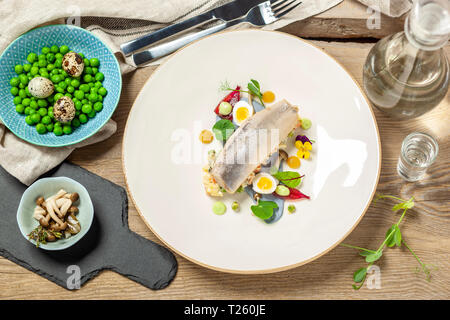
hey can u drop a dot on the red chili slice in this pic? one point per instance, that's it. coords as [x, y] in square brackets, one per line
[231, 98]
[294, 194]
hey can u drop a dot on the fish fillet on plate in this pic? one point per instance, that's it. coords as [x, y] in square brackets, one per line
[253, 143]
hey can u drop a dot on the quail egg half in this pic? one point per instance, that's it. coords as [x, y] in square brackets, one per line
[40, 87]
[264, 183]
[73, 64]
[64, 110]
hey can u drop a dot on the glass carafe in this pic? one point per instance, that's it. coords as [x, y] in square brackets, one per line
[407, 74]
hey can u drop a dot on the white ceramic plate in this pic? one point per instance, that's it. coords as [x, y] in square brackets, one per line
[177, 102]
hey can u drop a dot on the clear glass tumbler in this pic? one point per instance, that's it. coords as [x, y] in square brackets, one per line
[419, 150]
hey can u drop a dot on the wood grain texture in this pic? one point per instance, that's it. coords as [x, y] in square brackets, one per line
[426, 228]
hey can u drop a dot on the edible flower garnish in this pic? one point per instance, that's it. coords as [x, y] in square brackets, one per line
[303, 149]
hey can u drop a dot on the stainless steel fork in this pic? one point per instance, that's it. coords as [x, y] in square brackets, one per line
[260, 15]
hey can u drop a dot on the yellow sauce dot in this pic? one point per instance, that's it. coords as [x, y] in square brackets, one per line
[268, 96]
[206, 136]
[293, 162]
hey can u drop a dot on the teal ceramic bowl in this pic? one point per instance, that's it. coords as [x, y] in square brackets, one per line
[46, 187]
[78, 40]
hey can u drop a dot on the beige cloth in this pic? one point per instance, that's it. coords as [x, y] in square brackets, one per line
[392, 8]
[115, 22]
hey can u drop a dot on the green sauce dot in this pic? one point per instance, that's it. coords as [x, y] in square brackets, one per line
[219, 208]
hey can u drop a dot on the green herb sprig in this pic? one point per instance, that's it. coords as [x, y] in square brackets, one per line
[392, 238]
[290, 178]
[39, 234]
[253, 88]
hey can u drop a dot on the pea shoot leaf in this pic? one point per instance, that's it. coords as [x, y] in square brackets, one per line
[264, 209]
[365, 253]
[374, 256]
[359, 275]
[398, 237]
[223, 129]
[290, 178]
[390, 241]
[404, 205]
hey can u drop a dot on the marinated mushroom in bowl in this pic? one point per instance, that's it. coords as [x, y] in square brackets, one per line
[56, 216]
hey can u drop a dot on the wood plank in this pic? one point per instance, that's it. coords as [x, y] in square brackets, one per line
[329, 277]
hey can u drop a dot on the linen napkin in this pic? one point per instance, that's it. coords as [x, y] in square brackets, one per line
[392, 8]
[115, 22]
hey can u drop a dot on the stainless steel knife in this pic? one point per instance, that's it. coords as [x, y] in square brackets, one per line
[226, 12]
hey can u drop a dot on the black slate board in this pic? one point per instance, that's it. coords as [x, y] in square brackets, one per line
[109, 244]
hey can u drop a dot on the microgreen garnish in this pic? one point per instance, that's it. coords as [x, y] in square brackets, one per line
[223, 129]
[253, 89]
[39, 234]
[264, 209]
[290, 178]
[392, 238]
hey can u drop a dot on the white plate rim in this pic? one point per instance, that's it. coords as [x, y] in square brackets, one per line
[270, 270]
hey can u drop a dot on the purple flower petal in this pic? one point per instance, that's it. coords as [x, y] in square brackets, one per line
[303, 139]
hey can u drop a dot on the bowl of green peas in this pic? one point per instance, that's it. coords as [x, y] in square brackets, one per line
[92, 95]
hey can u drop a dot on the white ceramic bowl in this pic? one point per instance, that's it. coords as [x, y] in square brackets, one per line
[46, 187]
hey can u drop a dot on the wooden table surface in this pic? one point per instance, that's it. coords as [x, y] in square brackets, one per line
[341, 32]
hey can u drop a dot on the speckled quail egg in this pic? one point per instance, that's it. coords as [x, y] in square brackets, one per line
[73, 64]
[264, 183]
[40, 87]
[64, 110]
[241, 112]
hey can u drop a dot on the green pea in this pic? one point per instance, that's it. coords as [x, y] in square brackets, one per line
[78, 105]
[54, 49]
[17, 100]
[100, 98]
[55, 78]
[29, 121]
[58, 124]
[42, 112]
[27, 110]
[87, 108]
[22, 93]
[75, 83]
[291, 208]
[79, 94]
[31, 57]
[42, 103]
[81, 55]
[27, 67]
[50, 67]
[58, 131]
[92, 97]
[50, 57]
[45, 50]
[58, 55]
[85, 101]
[22, 86]
[42, 63]
[76, 123]
[94, 62]
[14, 91]
[98, 84]
[36, 117]
[63, 49]
[43, 70]
[84, 87]
[34, 71]
[51, 99]
[54, 72]
[20, 108]
[64, 73]
[102, 91]
[98, 106]
[49, 127]
[68, 95]
[99, 76]
[26, 102]
[32, 111]
[58, 96]
[88, 70]
[58, 62]
[62, 85]
[92, 113]
[67, 129]
[19, 69]
[86, 62]
[40, 128]
[46, 119]
[70, 89]
[51, 115]
[94, 70]
[91, 84]
[77, 112]
[14, 82]
[87, 78]
[33, 104]
[83, 118]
